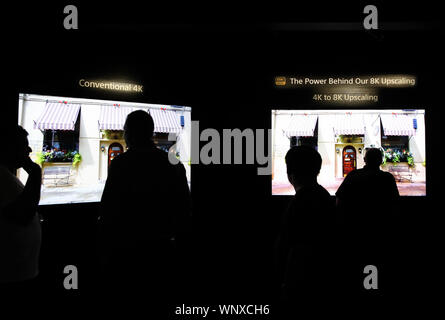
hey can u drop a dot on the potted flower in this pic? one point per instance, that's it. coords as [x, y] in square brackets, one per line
[393, 157]
[55, 155]
[408, 157]
[40, 158]
[77, 158]
[106, 134]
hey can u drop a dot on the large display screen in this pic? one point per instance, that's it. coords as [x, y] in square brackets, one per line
[342, 138]
[74, 140]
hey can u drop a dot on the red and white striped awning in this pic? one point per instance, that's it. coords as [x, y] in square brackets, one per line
[113, 117]
[301, 125]
[166, 121]
[349, 124]
[58, 116]
[397, 124]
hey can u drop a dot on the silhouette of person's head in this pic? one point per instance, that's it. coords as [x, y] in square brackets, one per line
[138, 129]
[373, 158]
[15, 150]
[303, 165]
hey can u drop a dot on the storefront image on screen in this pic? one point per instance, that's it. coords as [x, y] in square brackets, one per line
[74, 140]
[342, 138]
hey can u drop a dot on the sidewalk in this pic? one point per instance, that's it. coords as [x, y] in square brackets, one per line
[405, 188]
[71, 194]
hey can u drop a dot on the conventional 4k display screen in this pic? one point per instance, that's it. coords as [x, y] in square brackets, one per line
[342, 138]
[74, 140]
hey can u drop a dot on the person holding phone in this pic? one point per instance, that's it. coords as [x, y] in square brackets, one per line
[20, 231]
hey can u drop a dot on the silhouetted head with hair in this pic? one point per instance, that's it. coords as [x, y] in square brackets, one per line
[15, 149]
[303, 166]
[373, 158]
[138, 129]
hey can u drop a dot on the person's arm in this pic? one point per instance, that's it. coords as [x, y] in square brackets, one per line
[23, 209]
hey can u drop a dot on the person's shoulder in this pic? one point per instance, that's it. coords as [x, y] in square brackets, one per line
[322, 191]
[324, 196]
[159, 157]
[348, 182]
[163, 156]
[308, 194]
[353, 176]
[120, 158]
[358, 175]
[357, 172]
[121, 161]
[160, 153]
[387, 175]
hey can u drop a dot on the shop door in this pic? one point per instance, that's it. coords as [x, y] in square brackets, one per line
[349, 160]
[114, 150]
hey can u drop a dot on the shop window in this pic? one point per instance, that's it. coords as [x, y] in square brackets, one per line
[399, 142]
[60, 145]
[60, 140]
[396, 149]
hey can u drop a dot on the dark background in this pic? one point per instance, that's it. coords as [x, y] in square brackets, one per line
[221, 61]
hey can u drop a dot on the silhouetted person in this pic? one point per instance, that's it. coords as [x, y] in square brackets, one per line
[303, 244]
[144, 206]
[366, 202]
[366, 195]
[20, 232]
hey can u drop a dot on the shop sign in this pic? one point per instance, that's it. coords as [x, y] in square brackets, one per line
[349, 139]
[111, 85]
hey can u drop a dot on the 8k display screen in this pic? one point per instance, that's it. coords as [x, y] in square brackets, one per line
[342, 138]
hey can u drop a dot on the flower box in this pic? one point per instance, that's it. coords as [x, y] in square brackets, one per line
[397, 156]
[401, 171]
